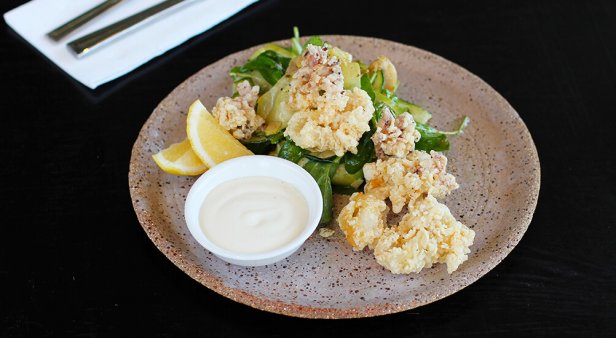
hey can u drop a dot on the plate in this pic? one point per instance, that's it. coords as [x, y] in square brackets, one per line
[495, 162]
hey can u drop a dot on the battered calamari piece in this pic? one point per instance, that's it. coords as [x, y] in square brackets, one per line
[333, 130]
[237, 115]
[362, 220]
[428, 234]
[404, 180]
[432, 168]
[395, 136]
[327, 118]
[318, 83]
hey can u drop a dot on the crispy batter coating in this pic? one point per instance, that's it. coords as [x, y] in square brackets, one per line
[362, 220]
[395, 136]
[427, 234]
[327, 117]
[237, 115]
[403, 180]
[432, 168]
[338, 131]
[318, 83]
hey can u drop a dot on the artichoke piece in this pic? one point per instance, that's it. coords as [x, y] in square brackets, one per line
[273, 106]
[389, 75]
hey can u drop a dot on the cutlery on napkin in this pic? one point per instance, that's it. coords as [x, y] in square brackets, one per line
[88, 43]
[129, 52]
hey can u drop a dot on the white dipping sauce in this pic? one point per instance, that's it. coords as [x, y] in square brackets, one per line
[253, 214]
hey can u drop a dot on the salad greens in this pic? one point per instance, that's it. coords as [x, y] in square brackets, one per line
[321, 170]
[353, 163]
[267, 68]
[290, 151]
[296, 44]
[261, 144]
[432, 139]
[264, 70]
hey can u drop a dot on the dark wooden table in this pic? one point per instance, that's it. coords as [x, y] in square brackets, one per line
[74, 260]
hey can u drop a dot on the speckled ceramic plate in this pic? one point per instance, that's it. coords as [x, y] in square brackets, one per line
[499, 186]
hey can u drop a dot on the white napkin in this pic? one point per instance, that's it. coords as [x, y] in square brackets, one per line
[34, 19]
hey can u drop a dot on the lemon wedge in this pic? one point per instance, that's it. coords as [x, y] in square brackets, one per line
[180, 159]
[212, 143]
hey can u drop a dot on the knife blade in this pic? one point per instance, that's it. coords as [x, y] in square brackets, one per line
[68, 27]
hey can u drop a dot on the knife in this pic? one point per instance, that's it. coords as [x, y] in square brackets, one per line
[86, 44]
[80, 20]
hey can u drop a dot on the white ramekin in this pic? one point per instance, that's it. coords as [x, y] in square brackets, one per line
[247, 166]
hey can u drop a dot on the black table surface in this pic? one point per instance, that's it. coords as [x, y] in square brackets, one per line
[74, 260]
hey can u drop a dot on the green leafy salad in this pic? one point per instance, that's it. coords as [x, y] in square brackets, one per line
[273, 68]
